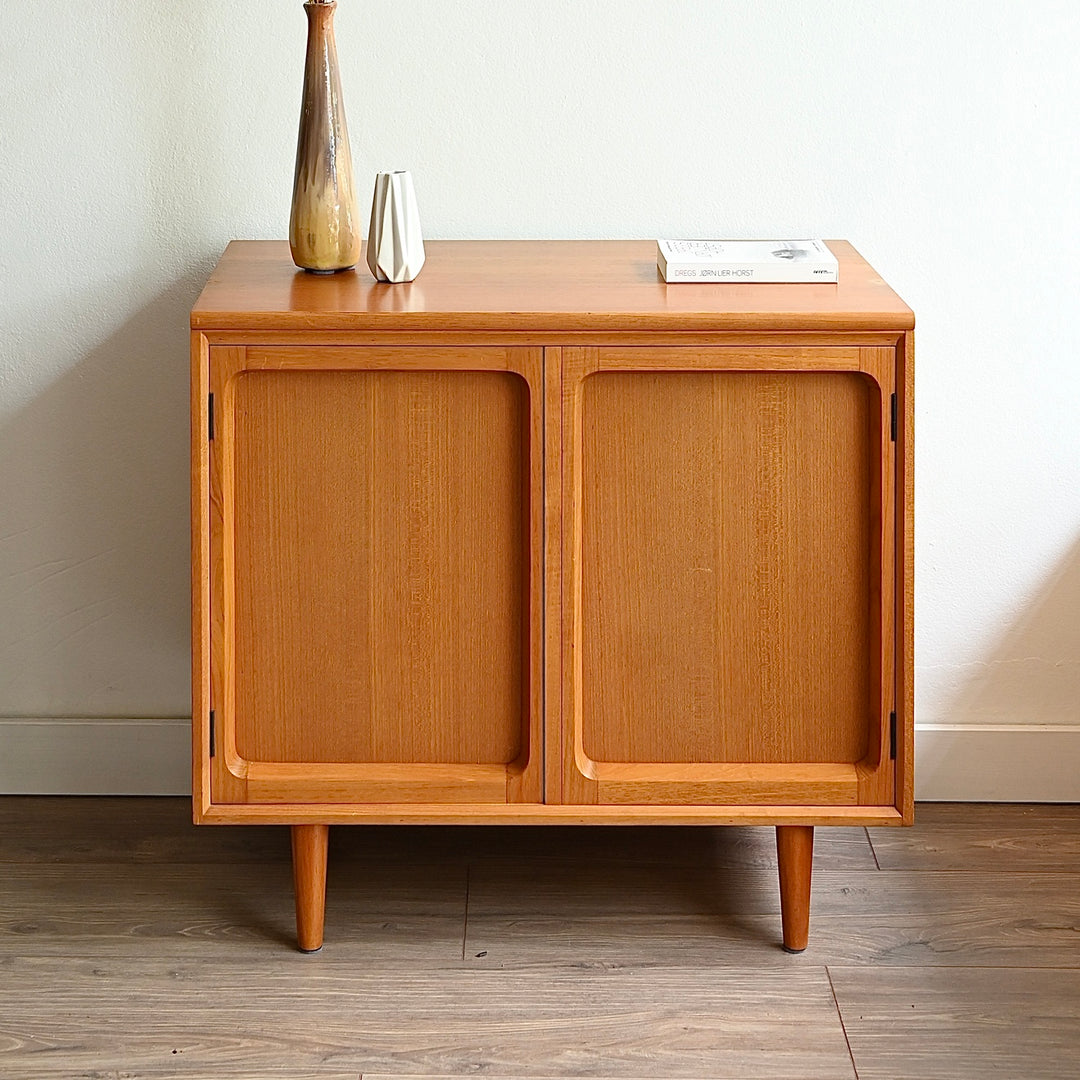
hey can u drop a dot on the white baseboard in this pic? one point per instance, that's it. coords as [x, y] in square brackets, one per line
[953, 762]
[997, 763]
[50, 756]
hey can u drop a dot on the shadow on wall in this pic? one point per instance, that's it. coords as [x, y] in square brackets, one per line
[1032, 675]
[95, 477]
[131, 175]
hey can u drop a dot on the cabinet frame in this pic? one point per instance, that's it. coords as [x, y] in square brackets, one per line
[897, 811]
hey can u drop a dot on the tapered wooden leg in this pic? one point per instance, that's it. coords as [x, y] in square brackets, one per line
[309, 845]
[795, 854]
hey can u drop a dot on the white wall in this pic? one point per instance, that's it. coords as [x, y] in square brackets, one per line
[138, 138]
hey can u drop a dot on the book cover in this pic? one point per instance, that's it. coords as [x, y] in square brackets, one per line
[735, 261]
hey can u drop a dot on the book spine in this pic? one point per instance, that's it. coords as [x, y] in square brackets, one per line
[736, 273]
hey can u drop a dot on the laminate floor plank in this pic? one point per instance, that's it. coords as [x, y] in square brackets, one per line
[133, 944]
[961, 1023]
[197, 1073]
[980, 837]
[394, 915]
[727, 847]
[60, 1017]
[113, 829]
[493, 1076]
[550, 914]
[36, 829]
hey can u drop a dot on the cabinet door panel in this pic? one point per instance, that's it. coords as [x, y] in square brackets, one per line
[379, 594]
[726, 595]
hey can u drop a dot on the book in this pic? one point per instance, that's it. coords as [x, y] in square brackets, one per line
[735, 261]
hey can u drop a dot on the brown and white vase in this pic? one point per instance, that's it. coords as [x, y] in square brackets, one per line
[324, 227]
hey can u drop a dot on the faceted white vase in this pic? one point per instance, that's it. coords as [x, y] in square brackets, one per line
[395, 247]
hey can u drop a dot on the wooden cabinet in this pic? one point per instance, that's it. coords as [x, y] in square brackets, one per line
[538, 538]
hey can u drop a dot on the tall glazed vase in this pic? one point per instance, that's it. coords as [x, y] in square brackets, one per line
[324, 226]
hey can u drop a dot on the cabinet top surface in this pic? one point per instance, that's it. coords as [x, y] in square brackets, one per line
[532, 285]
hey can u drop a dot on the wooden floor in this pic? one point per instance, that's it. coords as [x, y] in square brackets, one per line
[133, 945]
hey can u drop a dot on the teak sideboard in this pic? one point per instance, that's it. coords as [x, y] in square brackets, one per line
[540, 539]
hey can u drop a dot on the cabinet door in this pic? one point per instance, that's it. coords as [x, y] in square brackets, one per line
[376, 575]
[728, 576]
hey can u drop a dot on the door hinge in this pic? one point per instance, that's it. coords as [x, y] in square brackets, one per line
[211, 732]
[892, 736]
[892, 416]
[210, 415]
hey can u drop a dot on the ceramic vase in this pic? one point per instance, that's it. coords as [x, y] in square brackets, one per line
[324, 227]
[395, 247]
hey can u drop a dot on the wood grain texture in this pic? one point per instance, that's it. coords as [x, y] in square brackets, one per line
[706, 783]
[377, 570]
[384, 522]
[725, 542]
[877, 770]
[133, 1012]
[450, 812]
[579, 785]
[795, 858]
[699, 903]
[586, 952]
[905, 596]
[115, 829]
[554, 749]
[563, 286]
[986, 838]
[200, 572]
[381, 543]
[961, 1024]
[379, 784]
[391, 913]
[728, 533]
[515, 336]
[269, 323]
[50, 831]
[554, 914]
[227, 783]
[310, 844]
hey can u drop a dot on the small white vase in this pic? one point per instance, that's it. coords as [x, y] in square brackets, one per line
[395, 246]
